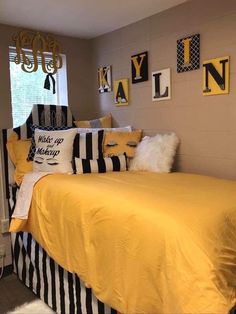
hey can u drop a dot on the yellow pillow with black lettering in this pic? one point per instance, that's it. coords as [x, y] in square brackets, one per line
[118, 143]
[18, 151]
[104, 122]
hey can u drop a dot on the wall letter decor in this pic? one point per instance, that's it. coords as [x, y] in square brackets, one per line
[161, 85]
[188, 53]
[121, 92]
[104, 79]
[216, 76]
[139, 66]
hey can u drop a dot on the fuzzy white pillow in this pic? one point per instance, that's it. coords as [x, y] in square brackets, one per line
[155, 153]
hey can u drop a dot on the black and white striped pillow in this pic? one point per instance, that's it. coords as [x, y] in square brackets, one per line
[114, 163]
[89, 145]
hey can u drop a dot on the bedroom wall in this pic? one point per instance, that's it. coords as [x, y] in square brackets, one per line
[205, 124]
[78, 54]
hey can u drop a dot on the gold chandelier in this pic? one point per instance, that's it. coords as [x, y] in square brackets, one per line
[45, 51]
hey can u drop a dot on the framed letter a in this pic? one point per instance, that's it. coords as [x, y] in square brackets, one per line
[121, 89]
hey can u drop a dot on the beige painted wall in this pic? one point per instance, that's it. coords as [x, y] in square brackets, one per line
[205, 124]
[78, 54]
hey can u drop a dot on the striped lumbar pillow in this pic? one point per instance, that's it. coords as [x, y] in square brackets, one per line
[54, 151]
[114, 163]
[88, 145]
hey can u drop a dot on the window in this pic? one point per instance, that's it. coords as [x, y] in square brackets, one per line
[28, 89]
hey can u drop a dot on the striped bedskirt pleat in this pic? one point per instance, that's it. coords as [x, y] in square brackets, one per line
[63, 291]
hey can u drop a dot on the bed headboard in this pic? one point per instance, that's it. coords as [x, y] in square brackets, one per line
[44, 115]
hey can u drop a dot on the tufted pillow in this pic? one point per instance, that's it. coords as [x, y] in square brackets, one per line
[118, 143]
[53, 151]
[104, 122]
[107, 164]
[155, 153]
[46, 128]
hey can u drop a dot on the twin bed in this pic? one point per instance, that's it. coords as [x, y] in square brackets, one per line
[128, 242]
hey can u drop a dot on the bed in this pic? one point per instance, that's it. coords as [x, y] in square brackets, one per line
[63, 291]
[132, 242]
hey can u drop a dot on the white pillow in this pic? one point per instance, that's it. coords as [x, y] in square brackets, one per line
[127, 128]
[54, 151]
[155, 153]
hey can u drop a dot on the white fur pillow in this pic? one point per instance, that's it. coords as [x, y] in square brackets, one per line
[155, 153]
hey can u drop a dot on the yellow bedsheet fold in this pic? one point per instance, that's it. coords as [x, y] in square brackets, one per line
[145, 242]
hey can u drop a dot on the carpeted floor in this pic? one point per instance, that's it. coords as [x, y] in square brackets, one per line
[33, 307]
[16, 298]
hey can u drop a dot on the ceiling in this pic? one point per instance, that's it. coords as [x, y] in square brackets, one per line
[79, 18]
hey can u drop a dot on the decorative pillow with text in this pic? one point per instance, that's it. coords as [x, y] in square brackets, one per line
[46, 128]
[53, 151]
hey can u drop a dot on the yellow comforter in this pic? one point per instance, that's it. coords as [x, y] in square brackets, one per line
[145, 242]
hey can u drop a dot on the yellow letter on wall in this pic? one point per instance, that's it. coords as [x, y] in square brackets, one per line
[121, 92]
[104, 79]
[139, 67]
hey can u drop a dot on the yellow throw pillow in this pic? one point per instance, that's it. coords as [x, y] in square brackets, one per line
[18, 151]
[118, 143]
[10, 144]
[104, 122]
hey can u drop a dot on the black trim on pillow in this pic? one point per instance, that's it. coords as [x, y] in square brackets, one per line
[100, 143]
[101, 165]
[89, 146]
[76, 148]
[86, 166]
[116, 163]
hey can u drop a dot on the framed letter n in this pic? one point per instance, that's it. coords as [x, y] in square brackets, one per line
[216, 76]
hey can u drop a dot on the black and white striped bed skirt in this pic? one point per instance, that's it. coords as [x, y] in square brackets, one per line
[63, 291]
